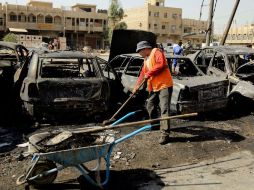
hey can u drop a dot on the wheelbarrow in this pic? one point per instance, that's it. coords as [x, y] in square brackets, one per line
[43, 169]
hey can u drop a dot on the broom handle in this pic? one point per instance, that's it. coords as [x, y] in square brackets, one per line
[127, 101]
[131, 124]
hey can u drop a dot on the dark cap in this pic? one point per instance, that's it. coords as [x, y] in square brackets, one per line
[143, 45]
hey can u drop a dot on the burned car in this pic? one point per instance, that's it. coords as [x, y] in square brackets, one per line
[233, 63]
[193, 91]
[64, 83]
[12, 56]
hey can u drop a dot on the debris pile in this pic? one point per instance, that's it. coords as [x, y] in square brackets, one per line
[64, 141]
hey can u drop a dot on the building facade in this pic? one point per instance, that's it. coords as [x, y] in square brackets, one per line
[241, 35]
[81, 24]
[166, 22]
[194, 31]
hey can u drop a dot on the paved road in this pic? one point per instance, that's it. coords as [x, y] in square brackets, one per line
[234, 172]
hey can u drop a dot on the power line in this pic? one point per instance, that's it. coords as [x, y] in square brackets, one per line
[201, 8]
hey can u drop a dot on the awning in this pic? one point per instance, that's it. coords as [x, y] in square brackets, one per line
[17, 30]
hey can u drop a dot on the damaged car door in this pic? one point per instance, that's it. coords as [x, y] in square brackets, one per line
[64, 83]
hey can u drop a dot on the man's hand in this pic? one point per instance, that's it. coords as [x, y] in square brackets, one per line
[137, 87]
[146, 78]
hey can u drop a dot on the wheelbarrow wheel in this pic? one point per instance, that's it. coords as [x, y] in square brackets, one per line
[40, 167]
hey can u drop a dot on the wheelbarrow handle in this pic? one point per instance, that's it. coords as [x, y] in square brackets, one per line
[147, 127]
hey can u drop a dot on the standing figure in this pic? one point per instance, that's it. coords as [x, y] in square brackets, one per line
[159, 84]
[177, 50]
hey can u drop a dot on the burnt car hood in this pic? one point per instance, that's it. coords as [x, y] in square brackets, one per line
[59, 91]
[198, 82]
[125, 41]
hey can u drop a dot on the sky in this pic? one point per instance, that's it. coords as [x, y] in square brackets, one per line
[191, 9]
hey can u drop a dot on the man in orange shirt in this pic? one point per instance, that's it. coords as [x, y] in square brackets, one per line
[159, 84]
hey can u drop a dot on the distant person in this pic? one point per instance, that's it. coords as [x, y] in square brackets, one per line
[248, 57]
[50, 46]
[177, 50]
[156, 73]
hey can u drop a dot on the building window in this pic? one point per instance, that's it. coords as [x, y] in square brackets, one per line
[40, 19]
[98, 23]
[163, 27]
[250, 37]
[22, 17]
[150, 13]
[155, 26]
[165, 15]
[156, 14]
[57, 20]
[157, 4]
[48, 19]
[1, 21]
[31, 18]
[87, 21]
[13, 17]
[173, 28]
[149, 26]
[82, 22]
[73, 22]
[174, 16]
[187, 30]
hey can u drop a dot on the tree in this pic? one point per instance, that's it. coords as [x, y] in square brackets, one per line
[115, 15]
[10, 38]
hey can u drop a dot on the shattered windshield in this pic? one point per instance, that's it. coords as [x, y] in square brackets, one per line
[185, 68]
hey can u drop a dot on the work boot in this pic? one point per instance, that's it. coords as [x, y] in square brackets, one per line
[164, 139]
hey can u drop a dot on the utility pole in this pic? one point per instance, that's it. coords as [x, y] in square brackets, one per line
[210, 23]
[225, 34]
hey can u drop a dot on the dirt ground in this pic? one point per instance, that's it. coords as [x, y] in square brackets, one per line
[136, 161]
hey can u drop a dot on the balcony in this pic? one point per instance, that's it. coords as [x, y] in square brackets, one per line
[35, 26]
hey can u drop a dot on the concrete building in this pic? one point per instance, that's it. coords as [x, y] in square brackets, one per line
[241, 35]
[165, 22]
[194, 31]
[81, 24]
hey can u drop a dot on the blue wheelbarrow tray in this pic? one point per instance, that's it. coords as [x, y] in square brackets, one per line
[76, 158]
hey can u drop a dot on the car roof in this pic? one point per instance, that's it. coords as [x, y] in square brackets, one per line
[11, 45]
[65, 54]
[232, 49]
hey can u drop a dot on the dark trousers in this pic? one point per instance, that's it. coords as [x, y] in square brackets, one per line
[162, 99]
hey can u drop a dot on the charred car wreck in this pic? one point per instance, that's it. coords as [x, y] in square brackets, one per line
[12, 56]
[193, 91]
[232, 63]
[64, 82]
